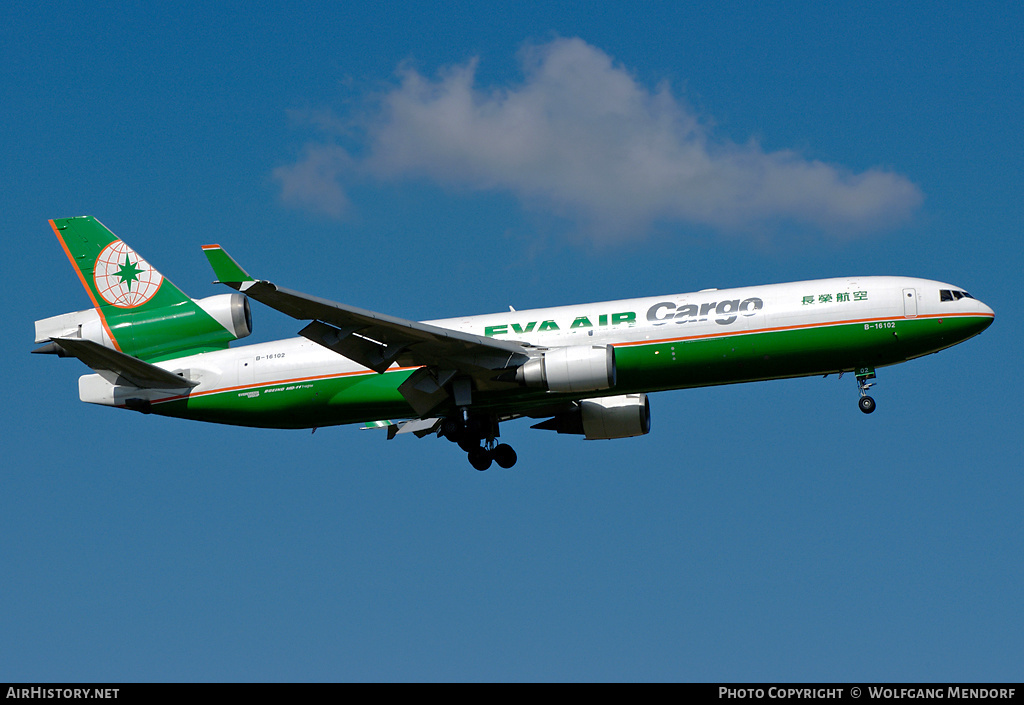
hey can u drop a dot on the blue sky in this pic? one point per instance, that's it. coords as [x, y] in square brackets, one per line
[458, 158]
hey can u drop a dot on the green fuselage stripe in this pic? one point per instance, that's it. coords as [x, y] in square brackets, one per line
[643, 366]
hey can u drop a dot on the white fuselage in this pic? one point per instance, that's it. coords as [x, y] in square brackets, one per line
[627, 322]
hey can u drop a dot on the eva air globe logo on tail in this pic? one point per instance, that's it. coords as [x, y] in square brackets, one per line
[123, 278]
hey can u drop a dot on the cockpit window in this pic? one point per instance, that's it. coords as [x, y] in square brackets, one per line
[953, 295]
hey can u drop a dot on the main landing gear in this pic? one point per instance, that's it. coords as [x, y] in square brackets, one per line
[864, 374]
[502, 454]
[476, 436]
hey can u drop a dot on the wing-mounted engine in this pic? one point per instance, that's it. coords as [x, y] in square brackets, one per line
[577, 368]
[620, 416]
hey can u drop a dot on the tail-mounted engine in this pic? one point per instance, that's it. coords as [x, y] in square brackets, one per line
[578, 368]
[158, 333]
[231, 311]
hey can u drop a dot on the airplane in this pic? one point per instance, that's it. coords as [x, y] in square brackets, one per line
[584, 369]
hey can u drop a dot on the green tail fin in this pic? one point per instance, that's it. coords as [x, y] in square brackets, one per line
[142, 312]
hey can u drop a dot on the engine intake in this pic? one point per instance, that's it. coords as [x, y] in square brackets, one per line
[578, 368]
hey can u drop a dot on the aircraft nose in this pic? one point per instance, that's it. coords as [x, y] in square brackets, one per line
[986, 311]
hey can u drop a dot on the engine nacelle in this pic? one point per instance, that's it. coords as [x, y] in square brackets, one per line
[577, 368]
[621, 416]
[154, 333]
[231, 311]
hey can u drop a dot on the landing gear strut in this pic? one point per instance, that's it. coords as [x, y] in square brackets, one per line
[864, 374]
[477, 437]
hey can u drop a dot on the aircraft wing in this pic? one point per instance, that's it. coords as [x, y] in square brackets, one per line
[377, 340]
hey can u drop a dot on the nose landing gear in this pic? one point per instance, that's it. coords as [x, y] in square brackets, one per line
[864, 374]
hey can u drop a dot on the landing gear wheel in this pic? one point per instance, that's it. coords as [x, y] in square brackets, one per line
[451, 429]
[504, 456]
[480, 458]
[867, 404]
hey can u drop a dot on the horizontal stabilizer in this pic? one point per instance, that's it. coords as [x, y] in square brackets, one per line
[132, 369]
[383, 423]
[419, 427]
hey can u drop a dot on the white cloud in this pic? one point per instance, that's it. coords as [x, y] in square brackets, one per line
[314, 182]
[580, 137]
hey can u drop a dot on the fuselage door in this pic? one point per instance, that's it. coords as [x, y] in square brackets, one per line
[910, 303]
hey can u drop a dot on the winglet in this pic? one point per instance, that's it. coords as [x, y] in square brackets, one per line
[225, 267]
